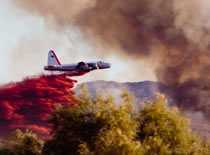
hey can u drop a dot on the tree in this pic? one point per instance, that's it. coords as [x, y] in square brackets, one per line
[22, 143]
[94, 127]
[98, 126]
[73, 126]
[119, 132]
[164, 131]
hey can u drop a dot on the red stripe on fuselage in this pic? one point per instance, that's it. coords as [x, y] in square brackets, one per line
[56, 57]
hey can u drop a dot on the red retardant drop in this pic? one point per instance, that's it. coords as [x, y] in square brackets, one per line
[28, 104]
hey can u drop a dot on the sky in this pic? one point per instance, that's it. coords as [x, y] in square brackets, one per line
[25, 40]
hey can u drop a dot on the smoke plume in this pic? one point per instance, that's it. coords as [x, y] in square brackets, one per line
[28, 104]
[174, 33]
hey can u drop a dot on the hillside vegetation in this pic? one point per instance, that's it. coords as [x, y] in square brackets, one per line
[99, 127]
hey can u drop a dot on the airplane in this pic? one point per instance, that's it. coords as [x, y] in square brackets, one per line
[76, 69]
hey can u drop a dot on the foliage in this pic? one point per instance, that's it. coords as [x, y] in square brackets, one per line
[117, 137]
[98, 126]
[93, 123]
[164, 131]
[22, 143]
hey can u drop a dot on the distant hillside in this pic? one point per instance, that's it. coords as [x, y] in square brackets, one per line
[145, 91]
[142, 91]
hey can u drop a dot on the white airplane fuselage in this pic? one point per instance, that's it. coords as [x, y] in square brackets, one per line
[73, 69]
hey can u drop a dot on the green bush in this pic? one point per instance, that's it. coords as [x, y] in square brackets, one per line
[22, 143]
[99, 127]
[93, 127]
[164, 131]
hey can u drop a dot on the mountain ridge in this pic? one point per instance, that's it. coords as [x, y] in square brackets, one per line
[142, 90]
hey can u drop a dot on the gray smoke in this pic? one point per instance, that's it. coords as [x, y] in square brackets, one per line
[174, 33]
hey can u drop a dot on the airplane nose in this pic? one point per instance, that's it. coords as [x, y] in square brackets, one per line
[106, 65]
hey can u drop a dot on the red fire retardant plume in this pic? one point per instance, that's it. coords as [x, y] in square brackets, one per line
[27, 104]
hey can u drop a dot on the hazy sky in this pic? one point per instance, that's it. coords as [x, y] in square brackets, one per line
[26, 39]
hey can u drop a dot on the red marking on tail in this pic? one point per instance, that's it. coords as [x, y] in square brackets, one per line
[56, 57]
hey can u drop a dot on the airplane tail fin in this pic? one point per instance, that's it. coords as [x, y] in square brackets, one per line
[53, 59]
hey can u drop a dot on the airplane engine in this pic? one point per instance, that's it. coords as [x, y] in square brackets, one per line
[83, 66]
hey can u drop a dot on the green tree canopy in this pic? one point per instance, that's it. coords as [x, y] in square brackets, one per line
[94, 126]
[22, 143]
[98, 126]
[164, 131]
[101, 127]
